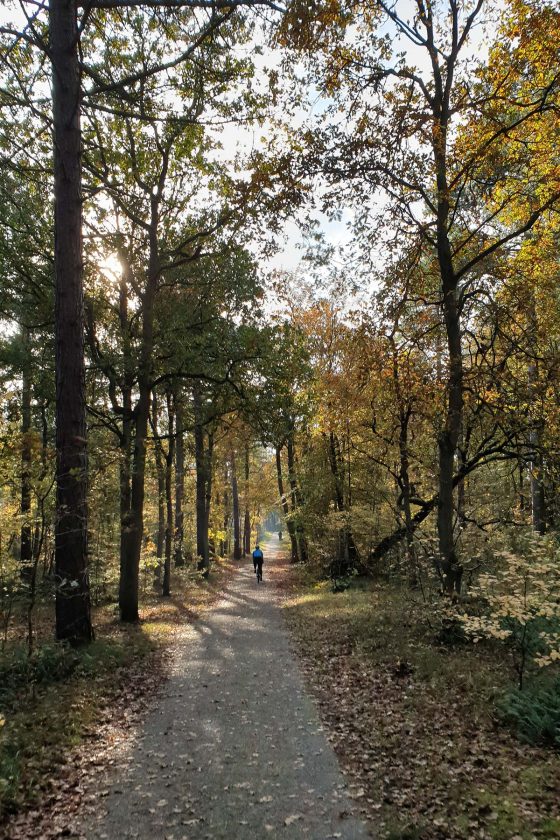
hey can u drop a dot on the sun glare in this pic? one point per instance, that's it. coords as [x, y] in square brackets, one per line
[111, 267]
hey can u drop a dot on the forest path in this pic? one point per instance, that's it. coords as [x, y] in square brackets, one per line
[233, 747]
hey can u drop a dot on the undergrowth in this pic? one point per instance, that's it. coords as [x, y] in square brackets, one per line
[534, 714]
[412, 712]
[47, 703]
[54, 698]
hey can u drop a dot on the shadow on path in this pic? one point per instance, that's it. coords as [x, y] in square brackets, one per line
[233, 747]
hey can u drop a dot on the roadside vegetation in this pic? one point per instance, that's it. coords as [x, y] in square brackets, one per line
[60, 703]
[423, 720]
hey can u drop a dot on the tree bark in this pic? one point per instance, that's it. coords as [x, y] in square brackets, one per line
[286, 507]
[235, 511]
[160, 474]
[449, 435]
[208, 492]
[297, 501]
[169, 458]
[225, 541]
[404, 486]
[130, 565]
[247, 533]
[347, 554]
[179, 483]
[247, 518]
[202, 548]
[26, 549]
[73, 611]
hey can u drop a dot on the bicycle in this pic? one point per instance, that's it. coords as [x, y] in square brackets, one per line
[258, 572]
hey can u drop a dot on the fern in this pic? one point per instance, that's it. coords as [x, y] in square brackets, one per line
[534, 715]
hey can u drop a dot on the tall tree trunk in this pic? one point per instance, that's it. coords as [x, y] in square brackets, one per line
[405, 491]
[403, 480]
[130, 565]
[286, 507]
[347, 551]
[26, 550]
[297, 501]
[169, 458]
[449, 434]
[247, 518]
[126, 385]
[125, 480]
[334, 450]
[235, 511]
[73, 611]
[227, 514]
[202, 548]
[247, 533]
[160, 474]
[179, 483]
[208, 493]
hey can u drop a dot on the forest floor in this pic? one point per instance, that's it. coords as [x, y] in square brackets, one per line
[198, 722]
[63, 713]
[231, 745]
[413, 722]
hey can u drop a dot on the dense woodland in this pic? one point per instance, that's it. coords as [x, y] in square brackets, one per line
[171, 392]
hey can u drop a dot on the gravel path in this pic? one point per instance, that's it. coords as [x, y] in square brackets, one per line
[233, 748]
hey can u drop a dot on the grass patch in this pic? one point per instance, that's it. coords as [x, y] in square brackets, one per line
[413, 720]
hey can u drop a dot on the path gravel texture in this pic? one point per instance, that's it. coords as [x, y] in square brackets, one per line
[233, 747]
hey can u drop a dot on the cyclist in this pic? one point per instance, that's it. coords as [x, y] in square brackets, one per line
[258, 558]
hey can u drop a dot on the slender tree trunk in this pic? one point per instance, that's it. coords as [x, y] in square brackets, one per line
[160, 474]
[126, 385]
[335, 472]
[521, 467]
[202, 548]
[130, 566]
[73, 611]
[449, 435]
[461, 490]
[169, 458]
[297, 501]
[160, 540]
[347, 551]
[227, 514]
[26, 550]
[125, 479]
[208, 492]
[286, 507]
[447, 445]
[179, 484]
[247, 518]
[405, 489]
[247, 533]
[235, 512]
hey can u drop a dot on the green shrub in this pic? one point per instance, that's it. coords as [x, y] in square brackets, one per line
[47, 664]
[534, 715]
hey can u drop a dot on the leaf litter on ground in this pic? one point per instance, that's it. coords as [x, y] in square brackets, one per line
[412, 723]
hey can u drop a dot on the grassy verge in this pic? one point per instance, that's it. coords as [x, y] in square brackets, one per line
[413, 722]
[60, 701]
